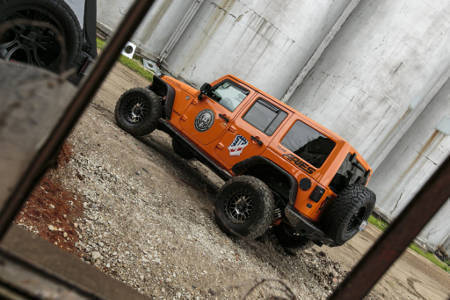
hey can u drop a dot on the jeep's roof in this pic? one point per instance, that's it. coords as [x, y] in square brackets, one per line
[311, 122]
[307, 120]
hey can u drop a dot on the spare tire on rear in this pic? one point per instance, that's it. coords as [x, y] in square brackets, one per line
[343, 217]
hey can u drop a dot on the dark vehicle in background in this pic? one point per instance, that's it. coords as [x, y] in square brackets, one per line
[58, 35]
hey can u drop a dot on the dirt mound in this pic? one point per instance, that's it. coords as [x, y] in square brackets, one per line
[51, 211]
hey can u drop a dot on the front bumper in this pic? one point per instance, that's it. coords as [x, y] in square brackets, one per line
[306, 228]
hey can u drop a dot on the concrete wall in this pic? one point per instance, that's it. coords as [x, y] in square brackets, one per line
[78, 8]
[263, 42]
[156, 28]
[376, 76]
[412, 161]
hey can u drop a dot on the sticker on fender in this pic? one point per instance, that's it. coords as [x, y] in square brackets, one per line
[238, 145]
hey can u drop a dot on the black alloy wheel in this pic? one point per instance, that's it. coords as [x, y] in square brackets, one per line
[239, 208]
[45, 33]
[33, 44]
[136, 109]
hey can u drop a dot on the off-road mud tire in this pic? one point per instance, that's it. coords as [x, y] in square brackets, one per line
[63, 19]
[181, 149]
[289, 239]
[261, 215]
[343, 217]
[152, 111]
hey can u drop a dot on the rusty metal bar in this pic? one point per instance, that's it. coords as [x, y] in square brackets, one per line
[397, 237]
[79, 103]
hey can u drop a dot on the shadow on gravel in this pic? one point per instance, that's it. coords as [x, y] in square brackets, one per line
[185, 170]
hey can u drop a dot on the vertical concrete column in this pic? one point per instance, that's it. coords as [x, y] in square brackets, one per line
[412, 161]
[379, 72]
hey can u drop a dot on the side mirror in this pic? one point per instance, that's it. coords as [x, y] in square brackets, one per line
[204, 90]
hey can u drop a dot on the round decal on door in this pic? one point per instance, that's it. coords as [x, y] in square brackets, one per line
[204, 120]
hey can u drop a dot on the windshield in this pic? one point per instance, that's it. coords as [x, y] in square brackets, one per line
[308, 144]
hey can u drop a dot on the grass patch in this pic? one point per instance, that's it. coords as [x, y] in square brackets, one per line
[100, 44]
[378, 222]
[382, 225]
[430, 256]
[133, 64]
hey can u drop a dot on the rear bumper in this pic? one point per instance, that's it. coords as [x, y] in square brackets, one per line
[306, 228]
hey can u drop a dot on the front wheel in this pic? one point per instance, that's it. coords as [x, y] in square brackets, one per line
[138, 111]
[244, 207]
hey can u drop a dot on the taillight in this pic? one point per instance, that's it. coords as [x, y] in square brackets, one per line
[316, 194]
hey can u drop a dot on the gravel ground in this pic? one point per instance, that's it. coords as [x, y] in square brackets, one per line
[147, 220]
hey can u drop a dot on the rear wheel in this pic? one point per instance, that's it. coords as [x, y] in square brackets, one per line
[138, 111]
[244, 207]
[345, 215]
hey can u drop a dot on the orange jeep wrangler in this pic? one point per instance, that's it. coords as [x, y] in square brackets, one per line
[281, 168]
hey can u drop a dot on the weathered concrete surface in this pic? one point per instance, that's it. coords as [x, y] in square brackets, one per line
[156, 28]
[78, 9]
[264, 42]
[376, 76]
[32, 101]
[412, 161]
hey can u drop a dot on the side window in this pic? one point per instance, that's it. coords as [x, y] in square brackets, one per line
[308, 144]
[265, 116]
[228, 94]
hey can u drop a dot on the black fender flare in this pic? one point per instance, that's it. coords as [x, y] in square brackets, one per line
[242, 167]
[163, 89]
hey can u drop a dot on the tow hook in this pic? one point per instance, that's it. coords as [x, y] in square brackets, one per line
[363, 225]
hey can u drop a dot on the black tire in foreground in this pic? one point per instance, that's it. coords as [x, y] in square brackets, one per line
[344, 216]
[181, 149]
[244, 207]
[37, 43]
[138, 110]
[288, 238]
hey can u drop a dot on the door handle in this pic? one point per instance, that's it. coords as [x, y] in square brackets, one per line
[224, 117]
[257, 140]
[232, 129]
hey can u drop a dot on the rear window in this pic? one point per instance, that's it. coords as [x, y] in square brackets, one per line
[308, 144]
[265, 116]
